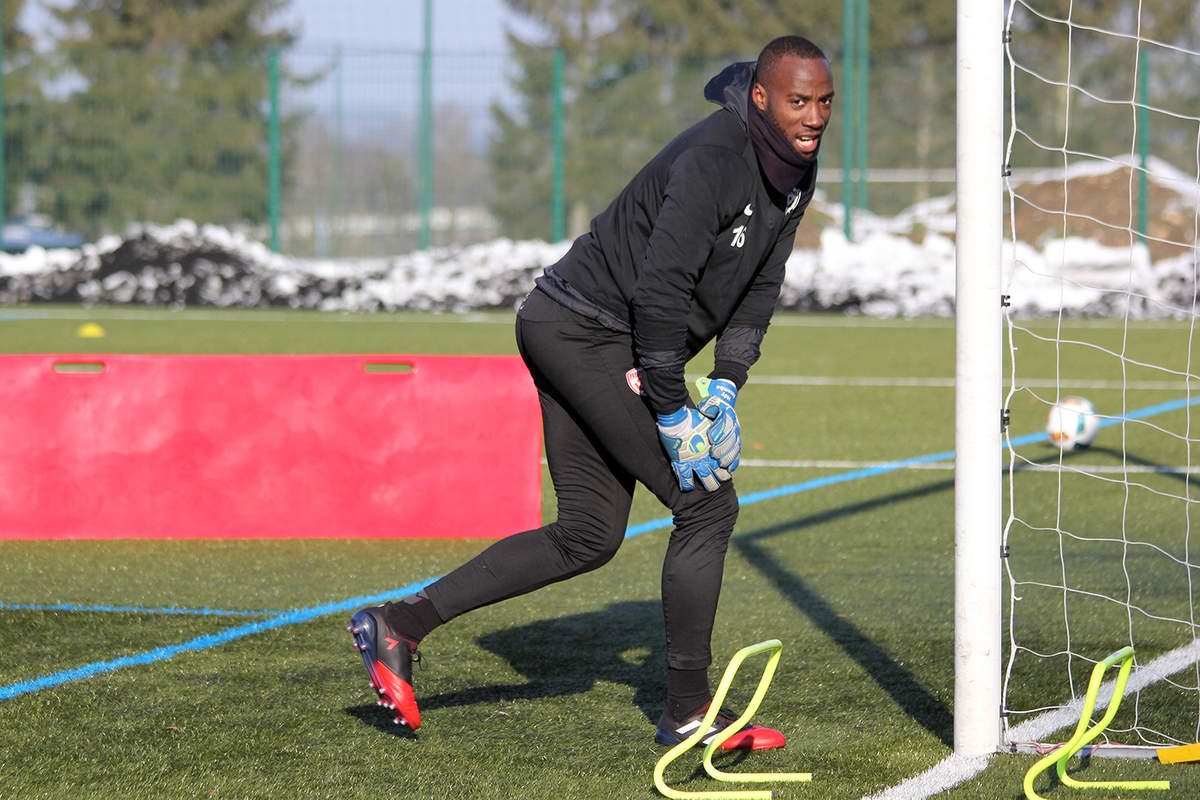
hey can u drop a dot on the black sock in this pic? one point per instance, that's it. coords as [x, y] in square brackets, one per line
[687, 692]
[413, 617]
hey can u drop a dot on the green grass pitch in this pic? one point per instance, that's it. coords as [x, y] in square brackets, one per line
[555, 694]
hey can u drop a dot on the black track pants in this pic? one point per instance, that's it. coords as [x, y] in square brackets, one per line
[600, 439]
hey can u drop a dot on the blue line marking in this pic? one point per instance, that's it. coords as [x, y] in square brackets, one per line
[204, 642]
[300, 615]
[815, 483]
[214, 612]
[892, 466]
[1149, 411]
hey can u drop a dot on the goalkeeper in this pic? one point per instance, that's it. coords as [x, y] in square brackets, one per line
[693, 249]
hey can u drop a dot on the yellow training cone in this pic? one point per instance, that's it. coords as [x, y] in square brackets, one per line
[89, 330]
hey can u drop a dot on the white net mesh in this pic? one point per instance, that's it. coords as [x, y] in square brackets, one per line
[1101, 262]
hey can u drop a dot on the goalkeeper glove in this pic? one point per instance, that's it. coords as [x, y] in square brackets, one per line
[717, 398]
[684, 436]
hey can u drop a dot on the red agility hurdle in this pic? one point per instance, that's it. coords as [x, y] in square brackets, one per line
[145, 446]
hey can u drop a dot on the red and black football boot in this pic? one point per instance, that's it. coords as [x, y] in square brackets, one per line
[389, 658]
[750, 737]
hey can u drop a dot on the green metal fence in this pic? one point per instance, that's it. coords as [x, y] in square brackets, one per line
[389, 151]
[340, 151]
[378, 169]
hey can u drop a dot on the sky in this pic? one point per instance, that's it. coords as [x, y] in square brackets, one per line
[379, 67]
[458, 25]
[381, 40]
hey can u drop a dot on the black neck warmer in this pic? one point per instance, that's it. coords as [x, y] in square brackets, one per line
[783, 166]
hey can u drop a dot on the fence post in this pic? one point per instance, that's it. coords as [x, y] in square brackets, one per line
[334, 216]
[426, 134]
[273, 160]
[557, 211]
[849, 35]
[861, 94]
[3, 128]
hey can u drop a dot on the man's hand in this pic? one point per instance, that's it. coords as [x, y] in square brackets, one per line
[684, 435]
[717, 399]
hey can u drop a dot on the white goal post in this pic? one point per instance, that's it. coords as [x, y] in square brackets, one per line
[978, 385]
[1082, 275]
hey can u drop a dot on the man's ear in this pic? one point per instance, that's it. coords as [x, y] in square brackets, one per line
[759, 95]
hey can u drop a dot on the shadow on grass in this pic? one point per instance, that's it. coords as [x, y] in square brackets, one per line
[1049, 457]
[561, 656]
[620, 644]
[624, 643]
[1133, 458]
[381, 719]
[724, 760]
[898, 682]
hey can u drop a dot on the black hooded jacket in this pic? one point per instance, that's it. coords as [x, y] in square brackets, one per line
[693, 248]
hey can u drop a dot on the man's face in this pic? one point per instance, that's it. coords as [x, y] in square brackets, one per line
[796, 95]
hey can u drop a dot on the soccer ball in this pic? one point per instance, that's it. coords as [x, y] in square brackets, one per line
[1072, 423]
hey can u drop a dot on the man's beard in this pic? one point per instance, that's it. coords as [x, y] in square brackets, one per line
[781, 163]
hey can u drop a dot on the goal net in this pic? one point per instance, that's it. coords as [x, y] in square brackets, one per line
[1100, 281]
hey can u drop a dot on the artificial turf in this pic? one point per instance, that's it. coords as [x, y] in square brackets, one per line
[555, 694]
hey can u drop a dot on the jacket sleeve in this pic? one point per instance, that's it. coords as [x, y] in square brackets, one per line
[677, 249]
[737, 346]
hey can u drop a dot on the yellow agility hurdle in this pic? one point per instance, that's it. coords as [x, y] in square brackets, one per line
[1084, 734]
[775, 648]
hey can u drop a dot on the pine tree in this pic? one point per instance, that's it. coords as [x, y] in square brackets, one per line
[24, 106]
[164, 111]
[519, 155]
[635, 78]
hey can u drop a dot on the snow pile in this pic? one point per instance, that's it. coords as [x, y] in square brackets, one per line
[889, 270]
[882, 274]
[189, 265]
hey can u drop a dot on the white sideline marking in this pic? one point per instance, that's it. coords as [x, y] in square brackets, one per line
[805, 320]
[826, 380]
[785, 319]
[946, 774]
[198, 314]
[955, 769]
[802, 319]
[945, 466]
[826, 464]
[947, 383]
[1111, 469]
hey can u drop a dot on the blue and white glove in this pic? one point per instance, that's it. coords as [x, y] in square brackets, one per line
[717, 398]
[684, 436]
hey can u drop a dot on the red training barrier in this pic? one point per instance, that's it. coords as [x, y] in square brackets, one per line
[143, 446]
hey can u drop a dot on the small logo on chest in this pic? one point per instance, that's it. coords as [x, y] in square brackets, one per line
[793, 201]
[739, 233]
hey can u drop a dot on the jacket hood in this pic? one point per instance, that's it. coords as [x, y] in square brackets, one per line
[731, 88]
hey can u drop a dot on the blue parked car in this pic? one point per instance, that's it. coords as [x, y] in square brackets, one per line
[35, 230]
